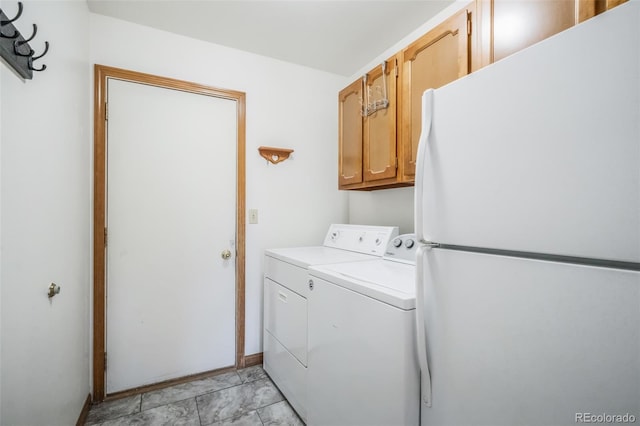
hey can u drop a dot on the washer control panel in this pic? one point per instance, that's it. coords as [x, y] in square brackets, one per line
[360, 238]
[402, 249]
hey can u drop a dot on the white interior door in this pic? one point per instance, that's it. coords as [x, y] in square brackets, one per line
[170, 214]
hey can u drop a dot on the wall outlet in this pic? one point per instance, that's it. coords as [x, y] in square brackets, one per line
[253, 215]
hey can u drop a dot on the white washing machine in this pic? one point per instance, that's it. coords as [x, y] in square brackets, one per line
[363, 368]
[286, 288]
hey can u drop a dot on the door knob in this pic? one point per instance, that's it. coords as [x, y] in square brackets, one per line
[226, 254]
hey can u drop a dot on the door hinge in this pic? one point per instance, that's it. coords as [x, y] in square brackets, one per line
[106, 111]
[468, 23]
[105, 237]
[105, 361]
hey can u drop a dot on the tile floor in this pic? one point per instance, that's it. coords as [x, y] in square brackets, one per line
[242, 398]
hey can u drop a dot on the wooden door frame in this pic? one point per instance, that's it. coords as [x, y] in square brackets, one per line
[101, 74]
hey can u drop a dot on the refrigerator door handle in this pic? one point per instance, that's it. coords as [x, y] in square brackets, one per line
[427, 118]
[430, 244]
[421, 341]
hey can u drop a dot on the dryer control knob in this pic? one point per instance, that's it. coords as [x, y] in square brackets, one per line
[409, 243]
[397, 242]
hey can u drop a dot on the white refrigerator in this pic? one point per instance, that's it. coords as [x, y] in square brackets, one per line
[527, 208]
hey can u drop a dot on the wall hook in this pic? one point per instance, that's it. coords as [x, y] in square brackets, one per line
[46, 49]
[18, 43]
[33, 58]
[53, 290]
[35, 31]
[42, 68]
[8, 21]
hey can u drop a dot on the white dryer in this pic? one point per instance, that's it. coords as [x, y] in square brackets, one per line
[286, 288]
[363, 368]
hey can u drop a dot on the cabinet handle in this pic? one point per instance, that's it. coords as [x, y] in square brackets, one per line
[282, 296]
[348, 177]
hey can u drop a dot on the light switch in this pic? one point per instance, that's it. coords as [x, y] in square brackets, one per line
[253, 215]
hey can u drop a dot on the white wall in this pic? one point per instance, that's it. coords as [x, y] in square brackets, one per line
[45, 211]
[392, 206]
[287, 106]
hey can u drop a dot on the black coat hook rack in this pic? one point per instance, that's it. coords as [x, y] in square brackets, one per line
[15, 49]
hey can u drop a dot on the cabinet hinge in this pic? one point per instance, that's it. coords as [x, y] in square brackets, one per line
[396, 68]
[105, 361]
[468, 23]
[396, 163]
[105, 237]
[106, 111]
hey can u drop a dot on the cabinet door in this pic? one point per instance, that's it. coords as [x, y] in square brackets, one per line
[439, 57]
[350, 135]
[509, 26]
[595, 7]
[519, 24]
[380, 127]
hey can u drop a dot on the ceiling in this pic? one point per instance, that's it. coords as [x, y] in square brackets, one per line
[339, 37]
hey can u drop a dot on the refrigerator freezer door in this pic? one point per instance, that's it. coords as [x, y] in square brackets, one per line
[540, 152]
[515, 341]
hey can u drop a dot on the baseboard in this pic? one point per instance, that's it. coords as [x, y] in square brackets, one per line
[167, 383]
[249, 360]
[254, 359]
[82, 418]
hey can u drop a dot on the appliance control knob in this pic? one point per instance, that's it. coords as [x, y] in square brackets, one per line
[310, 284]
[397, 242]
[409, 243]
[378, 241]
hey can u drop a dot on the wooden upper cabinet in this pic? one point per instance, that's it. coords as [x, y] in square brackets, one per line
[367, 130]
[437, 58]
[350, 135]
[379, 134]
